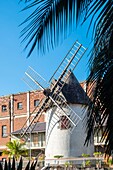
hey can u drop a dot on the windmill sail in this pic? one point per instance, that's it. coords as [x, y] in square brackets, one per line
[34, 80]
[69, 63]
[52, 94]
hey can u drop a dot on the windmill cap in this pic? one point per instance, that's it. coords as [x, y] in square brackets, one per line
[73, 92]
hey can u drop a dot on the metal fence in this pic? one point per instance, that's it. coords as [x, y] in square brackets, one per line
[74, 163]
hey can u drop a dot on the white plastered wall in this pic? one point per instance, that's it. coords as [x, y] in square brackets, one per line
[62, 142]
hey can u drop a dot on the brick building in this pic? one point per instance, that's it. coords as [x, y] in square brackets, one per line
[15, 110]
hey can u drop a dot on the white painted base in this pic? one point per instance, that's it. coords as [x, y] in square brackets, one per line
[62, 142]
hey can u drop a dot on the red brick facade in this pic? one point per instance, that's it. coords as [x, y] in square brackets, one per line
[20, 98]
[4, 140]
[14, 111]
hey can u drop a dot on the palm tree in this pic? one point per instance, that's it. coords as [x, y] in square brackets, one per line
[15, 149]
[51, 21]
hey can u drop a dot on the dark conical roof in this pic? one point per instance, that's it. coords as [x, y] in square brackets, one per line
[73, 92]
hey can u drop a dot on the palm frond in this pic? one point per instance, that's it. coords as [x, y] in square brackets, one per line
[48, 24]
[101, 70]
[16, 149]
[5, 152]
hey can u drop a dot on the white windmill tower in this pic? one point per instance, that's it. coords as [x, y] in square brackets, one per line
[64, 112]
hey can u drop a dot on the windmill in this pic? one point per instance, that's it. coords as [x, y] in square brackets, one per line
[56, 107]
[52, 94]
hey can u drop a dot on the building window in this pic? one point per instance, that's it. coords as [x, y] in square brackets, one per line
[36, 102]
[64, 122]
[35, 139]
[19, 105]
[41, 139]
[4, 108]
[4, 131]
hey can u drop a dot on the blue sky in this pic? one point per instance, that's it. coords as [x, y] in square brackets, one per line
[13, 61]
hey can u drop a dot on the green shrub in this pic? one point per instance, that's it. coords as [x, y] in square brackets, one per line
[87, 163]
[66, 164]
[58, 156]
[97, 154]
[85, 155]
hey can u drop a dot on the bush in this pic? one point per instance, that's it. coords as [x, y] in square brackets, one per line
[97, 154]
[85, 155]
[58, 156]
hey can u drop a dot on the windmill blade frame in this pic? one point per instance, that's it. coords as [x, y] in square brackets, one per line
[76, 52]
[31, 76]
[28, 129]
[24, 128]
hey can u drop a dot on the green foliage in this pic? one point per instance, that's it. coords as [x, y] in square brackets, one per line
[43, 20]
[87, 163]
[85, 155]
[97, 154]
[68, 164]
[99, 89]
[16, 149]
[58, 156]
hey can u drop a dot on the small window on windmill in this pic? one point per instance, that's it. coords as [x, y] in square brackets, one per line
[36, 102]
[64, 122]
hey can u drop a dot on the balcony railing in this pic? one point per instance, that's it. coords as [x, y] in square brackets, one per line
[40, 144]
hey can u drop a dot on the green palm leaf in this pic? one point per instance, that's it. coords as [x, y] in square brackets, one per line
[101, 69]
[48, 24]
[16, 149]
